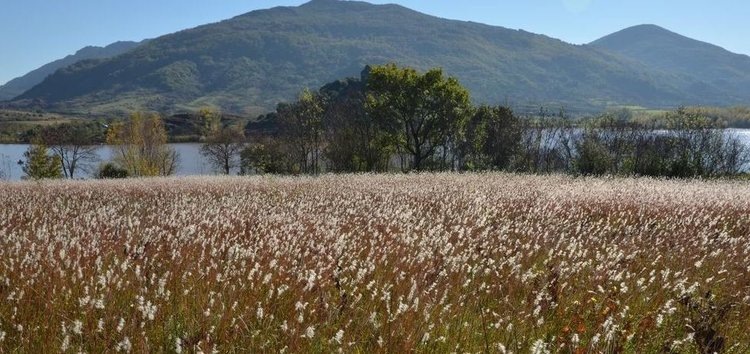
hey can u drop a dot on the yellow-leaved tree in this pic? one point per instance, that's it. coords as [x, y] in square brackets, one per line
[140, 146]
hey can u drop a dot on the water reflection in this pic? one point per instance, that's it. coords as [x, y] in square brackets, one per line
[191, 161]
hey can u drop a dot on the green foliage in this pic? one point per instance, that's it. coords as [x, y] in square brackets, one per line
[181, 77]
[268, 157]
[139, 145]
[593, 157]
[424, 112]
[222, 148]
[355, 141]
[691, 146]
[300, 132]
[492, 138]
[247, 64]
[23, 126]
[111, 171]
[424, 121]
[734, 117]
[210, 121]
[19, 85]
[720, 76]
[39, 164]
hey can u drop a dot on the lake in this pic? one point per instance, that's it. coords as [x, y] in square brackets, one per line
[191, 161]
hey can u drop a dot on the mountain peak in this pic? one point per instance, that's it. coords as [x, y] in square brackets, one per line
[647, 27]
[250, 63]
[647, 32]
[86, 49]
[23, 83]
[318, 2]
[322, 3]
[654, 37]
[709, 65]
[344, 5]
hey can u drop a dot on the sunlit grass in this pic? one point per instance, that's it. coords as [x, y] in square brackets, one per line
[389, 263]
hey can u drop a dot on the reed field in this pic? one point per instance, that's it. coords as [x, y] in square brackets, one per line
[434, 263]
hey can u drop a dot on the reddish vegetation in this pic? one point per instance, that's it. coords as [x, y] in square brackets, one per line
[428, 263]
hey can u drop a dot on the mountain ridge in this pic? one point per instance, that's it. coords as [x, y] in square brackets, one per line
[674, 53]
[249, 63]
[21, 84]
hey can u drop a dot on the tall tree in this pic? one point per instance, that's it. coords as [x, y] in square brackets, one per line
[4, 167]
[74, 144]
[425, 112]
[492, 138]
[353, 140]
[222, 148]
[210, 121]
[39, 164]
[267, 155]
[301, 127]
[140, 146]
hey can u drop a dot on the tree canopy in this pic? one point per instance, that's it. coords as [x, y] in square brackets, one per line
[140, 146]
[40, 164]
[425, 112]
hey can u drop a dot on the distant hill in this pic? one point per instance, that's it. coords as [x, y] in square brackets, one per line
[247, 64]
[19, 85]
[716, 69]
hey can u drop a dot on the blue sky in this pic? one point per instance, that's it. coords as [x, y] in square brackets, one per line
[35, 32]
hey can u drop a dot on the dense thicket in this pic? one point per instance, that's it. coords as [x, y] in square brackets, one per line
[139, 146]
[398, 119]
[40, 164]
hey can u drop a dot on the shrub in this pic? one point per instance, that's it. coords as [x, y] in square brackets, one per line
[110, 170]
[593, 157]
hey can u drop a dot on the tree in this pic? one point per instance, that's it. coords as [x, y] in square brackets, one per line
[492, 138]
[547, 144]
[301, 128]
[424, 112]
[210, 121]
[353, 140]
[110, 171]
[39, 164]
[268, 156]
[705, 148]
[140, 146]
[74, 144]
[222, 148]
[593, 157]
[4, 167]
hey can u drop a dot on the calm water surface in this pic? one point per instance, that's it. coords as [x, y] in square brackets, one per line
[191, 161]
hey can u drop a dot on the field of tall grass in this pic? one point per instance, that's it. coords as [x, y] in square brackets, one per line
[376, 263]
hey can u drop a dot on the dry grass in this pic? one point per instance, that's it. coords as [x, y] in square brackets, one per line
[427, 263]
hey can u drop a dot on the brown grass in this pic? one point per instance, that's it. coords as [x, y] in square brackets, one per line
[426, 263]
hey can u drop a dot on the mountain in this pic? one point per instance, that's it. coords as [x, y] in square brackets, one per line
[19, 85]
[247, 64]
[716, 69]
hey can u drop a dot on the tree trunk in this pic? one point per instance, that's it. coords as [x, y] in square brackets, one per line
[418, 159]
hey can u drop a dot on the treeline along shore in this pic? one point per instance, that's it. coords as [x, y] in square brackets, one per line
[396, 119]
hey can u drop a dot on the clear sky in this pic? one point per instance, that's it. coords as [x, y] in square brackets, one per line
[35, 32]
